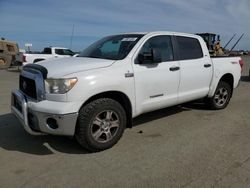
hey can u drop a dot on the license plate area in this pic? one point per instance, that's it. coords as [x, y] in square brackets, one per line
[17, 104]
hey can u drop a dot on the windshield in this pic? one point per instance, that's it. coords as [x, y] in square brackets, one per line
[114, 47]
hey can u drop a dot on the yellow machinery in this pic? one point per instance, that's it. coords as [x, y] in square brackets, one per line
[8, 53]
[214, 45]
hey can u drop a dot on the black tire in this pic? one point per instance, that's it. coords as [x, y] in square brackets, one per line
[95, 112]
[221, 98]
[5, 62]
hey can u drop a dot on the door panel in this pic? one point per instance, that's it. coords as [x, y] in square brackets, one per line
[195, 70]
[156, 86]
[195, 79]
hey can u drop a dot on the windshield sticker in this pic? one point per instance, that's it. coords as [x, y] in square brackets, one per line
[129, 39]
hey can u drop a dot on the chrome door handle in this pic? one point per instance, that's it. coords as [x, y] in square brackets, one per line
[174, 68]
[207, 65]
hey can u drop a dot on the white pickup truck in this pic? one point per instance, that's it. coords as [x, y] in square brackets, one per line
[47, 53]
[95, 96]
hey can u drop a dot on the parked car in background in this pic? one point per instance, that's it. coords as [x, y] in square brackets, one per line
[95, 96]
[47, 53]
[243, 52]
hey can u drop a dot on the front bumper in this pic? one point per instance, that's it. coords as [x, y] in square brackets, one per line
[38, 122]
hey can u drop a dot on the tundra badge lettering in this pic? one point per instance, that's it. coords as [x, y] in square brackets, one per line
[128, 75]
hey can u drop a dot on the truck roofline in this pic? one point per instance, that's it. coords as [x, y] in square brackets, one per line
[162, 32]
[57, 47]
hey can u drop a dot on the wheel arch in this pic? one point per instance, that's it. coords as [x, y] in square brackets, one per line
[118, 96]
[228, 78]
[38, 59]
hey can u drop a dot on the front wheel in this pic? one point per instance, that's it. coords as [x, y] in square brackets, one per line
[4, 62]
[100, 124]
[221, 96]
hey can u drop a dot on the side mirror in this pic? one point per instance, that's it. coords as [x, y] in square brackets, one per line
[156, 55]
[150, 57]
[145, 58]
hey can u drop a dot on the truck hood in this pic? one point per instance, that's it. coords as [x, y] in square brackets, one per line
[63, 66]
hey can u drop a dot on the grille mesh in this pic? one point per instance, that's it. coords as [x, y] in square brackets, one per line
[28, 86]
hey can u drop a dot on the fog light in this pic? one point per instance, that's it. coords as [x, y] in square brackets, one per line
[33, 122]
[52, 123]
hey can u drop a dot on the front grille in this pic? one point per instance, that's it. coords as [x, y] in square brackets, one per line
[17, 104]
[28, 86]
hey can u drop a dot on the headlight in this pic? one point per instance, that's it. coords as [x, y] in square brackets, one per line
[59, 86]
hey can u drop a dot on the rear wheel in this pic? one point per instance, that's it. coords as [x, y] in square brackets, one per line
[100, 124]
[221, 96]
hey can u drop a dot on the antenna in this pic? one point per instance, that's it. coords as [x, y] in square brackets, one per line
[236, 42]
[72, 34]
[229, 41]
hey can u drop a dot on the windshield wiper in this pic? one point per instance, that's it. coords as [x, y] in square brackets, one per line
[90, 56]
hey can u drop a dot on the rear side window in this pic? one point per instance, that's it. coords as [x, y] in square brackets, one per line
[189, 48]
[47, 51]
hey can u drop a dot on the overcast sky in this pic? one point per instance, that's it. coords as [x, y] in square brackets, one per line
[49, 22]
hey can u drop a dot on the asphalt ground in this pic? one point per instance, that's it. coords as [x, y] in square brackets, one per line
[182, 146]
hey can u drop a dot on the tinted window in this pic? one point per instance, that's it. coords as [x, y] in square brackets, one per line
[111, 48]
[189, 48]
[47, 51]
[161, 43]
[114, 47]
[64, 52]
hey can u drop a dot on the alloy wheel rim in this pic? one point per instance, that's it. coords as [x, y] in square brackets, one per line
[221, 97]
[105, 126]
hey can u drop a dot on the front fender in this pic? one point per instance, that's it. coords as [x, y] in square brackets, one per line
[94, 82]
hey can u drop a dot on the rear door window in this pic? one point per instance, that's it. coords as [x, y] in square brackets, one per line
[47, 51]
[189, 48]
[64, 52]
[59, 51]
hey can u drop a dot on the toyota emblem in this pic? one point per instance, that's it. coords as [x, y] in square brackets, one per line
[24, 85]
